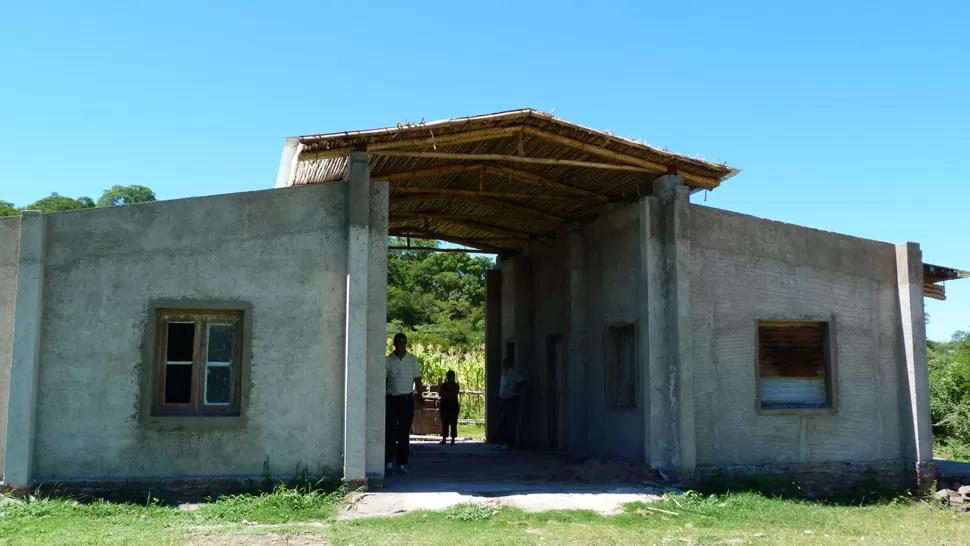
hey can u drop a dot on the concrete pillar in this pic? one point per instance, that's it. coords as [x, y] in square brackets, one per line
[677, 249]
[525, 353]
[909, 279]
[494, 345]
[288, 162]
[25, 354]
[575, 388]
[355, 362]
[664, 338]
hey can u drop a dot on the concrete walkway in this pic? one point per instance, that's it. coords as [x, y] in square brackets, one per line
[441, 476]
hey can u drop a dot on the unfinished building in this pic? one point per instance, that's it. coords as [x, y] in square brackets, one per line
[192, 341]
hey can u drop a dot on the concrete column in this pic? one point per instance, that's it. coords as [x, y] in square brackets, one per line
[651, 339]
[355, 363]
[493, 353]
[677, 243]
[525, 353]
[664, 338]
[909, 279]
[25, 354]
[575, 391]
[288, 162]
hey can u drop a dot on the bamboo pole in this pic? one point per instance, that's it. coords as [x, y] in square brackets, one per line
[493, 229]
[473, 193]
[425, 173]
[705, 182]
[512, 207]
[479, 135]
[526, 176]
[447, 216]
[459, 240]
[515, 158]
[433, 249]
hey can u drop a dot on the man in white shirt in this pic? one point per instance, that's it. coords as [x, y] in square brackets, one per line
[403, 373]
[508, 393]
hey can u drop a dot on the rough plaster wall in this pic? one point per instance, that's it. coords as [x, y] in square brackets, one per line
[376, 328]
[550, 289]
[282, 250]
[9, 248]
[744, 268]
[612, 266]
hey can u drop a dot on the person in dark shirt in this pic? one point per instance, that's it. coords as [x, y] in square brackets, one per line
[448, 407]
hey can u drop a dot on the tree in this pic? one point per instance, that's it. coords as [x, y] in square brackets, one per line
[59, 203]
[949, 366]
[7, 209]
[436, 298]
[126, 195]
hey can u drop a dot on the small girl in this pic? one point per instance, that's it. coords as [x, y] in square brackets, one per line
[448, 407]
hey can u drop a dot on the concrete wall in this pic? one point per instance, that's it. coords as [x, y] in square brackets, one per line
[282, 251]
[612, 294]
[745, 268]
[9, 244]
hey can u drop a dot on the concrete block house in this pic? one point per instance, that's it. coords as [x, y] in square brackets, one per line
[192, 341]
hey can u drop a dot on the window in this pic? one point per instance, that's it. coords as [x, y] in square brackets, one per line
[198, 362]
[621, 369]
[793, 365]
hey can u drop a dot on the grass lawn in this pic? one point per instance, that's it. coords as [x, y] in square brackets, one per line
[309, 519]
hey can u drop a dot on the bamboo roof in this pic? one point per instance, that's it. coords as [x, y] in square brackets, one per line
[496, 181]
[935, 275]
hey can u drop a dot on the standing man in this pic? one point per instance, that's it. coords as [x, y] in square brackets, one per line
[403, 373]
[508, 392]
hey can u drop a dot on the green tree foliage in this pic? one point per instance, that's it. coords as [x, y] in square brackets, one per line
[7, 209]
[949, 365]
[59, 203]
[437, 298]
[118, 195]
[126, 195]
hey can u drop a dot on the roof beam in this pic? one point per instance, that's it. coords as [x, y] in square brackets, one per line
[512, 207]
[479, 135]
[487, 218]
[399, 248]
[495, 230]
[425, 173]
[455, 240]
[515, 158]
[499, 194]
[531, 178]
[705, 182]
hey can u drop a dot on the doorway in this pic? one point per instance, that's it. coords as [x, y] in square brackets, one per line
[555, 436]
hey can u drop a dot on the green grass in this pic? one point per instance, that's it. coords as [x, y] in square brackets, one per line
[742, 518]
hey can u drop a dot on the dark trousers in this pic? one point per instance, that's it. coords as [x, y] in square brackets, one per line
[510, 418]
[448, 413]
[397, 428]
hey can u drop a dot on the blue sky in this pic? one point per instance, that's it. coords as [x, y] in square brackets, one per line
[845, 116]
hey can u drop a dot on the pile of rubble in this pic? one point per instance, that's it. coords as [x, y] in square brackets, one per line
[959, 498]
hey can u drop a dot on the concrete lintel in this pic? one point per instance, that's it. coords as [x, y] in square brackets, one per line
[355, 363]
[916, 414]
[576, 418]
[25, 358]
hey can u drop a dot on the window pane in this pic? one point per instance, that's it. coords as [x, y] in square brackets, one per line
[218, 385]
[181, 339]
[220, 343]
[178, 383]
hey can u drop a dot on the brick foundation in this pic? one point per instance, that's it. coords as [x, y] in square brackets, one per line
[815, 479]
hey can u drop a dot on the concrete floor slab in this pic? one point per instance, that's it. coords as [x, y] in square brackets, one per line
[442, 476]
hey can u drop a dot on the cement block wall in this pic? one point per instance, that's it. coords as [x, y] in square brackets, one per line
[9, 246]
[745, 268]
[282, 251]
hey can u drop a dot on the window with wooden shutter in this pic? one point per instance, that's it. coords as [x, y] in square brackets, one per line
[793, 365]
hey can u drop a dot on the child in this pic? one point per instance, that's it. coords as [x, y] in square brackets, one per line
[448, 407]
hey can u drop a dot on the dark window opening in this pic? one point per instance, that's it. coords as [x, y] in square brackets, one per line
[621, 367]
[793, 365]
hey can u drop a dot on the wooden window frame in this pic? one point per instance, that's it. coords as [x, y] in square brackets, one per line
[202, 319]
[830, 348]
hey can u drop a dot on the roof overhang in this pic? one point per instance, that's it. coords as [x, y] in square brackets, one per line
[934, 276]
[496, 181]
